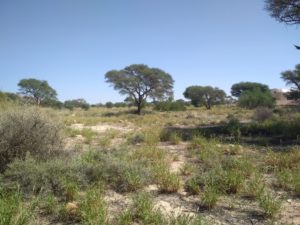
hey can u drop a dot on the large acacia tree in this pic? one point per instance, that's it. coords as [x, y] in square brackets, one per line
[39, 90]
[204, 95]
[140, 82]
[286, 11]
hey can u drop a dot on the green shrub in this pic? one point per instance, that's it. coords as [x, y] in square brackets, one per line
[116, 171]
[169, 105]
[136, 138]
[54, 176]
[256, 98]
[25, 130]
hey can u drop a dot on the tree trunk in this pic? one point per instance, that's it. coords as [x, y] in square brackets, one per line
[139, 108]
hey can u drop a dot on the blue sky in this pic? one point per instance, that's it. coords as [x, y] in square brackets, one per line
[73, 43]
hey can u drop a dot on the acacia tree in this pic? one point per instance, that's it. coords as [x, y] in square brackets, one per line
[139, 82]
[204, 95]
[292, 78]
[238, 88]
[39, 90]
[286, 11]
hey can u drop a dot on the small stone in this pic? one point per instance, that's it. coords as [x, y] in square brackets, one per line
[289, 200]
[71, 207]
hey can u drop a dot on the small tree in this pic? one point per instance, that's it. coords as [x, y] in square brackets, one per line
[204, 95]
[76, 103]
[286, 11]
[37, 89]
[139, 82]
[292, 78]
[238, 88]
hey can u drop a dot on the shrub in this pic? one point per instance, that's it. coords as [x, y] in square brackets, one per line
[40, 177]
[25, 130]
[169, 105]
[262, 114]
[256, 98]
[115, 171]
[77, 103]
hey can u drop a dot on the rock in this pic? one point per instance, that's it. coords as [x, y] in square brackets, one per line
[71, 207]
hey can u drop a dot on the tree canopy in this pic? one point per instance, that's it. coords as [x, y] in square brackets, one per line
[204, 95]
[140, 82]
[39, 90]
[286, 11]
[238, 88]
[77, 103]
[292, 78]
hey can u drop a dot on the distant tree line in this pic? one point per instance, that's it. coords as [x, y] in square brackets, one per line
[139, 83]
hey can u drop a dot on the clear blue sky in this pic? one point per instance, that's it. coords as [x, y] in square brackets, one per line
[73, 43]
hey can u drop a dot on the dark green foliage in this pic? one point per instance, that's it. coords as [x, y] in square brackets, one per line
[38, 90]
[239, 88]
[256, 98]
[76, 103]
[139, 82]
[204, 95]
[170, 105]
[292, 78]
[286, 11]
[53, 104]
[109, 105]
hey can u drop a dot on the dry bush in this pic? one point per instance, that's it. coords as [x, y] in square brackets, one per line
[27, 130]
[262, 114]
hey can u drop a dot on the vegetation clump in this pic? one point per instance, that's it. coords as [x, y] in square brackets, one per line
[27, 130]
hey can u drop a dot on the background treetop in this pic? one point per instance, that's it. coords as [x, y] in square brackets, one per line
[39, 90]
[238, 88]
[204, 95]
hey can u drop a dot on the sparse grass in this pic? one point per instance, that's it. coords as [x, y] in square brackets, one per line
[213, 169]
[192, 186]
[283, 160]
[269, 203]
[167, 182]
[209, 197]
[289, 180]
[93, 209]
[13, 211]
